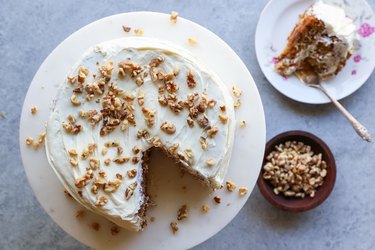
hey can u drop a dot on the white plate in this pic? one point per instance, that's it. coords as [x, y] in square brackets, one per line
[167, 183]
[275, 24]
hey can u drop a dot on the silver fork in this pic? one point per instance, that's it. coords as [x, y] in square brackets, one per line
[311, 79]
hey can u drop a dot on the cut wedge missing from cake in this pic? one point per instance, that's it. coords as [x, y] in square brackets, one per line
[122, 99]
[323, 39]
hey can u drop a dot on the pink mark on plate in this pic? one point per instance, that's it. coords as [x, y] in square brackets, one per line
[354, 72]
[285, 78]
[274, 60]
[357, 58]
[366, 30]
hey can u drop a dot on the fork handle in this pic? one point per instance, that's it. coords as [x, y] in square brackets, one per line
[361, 130]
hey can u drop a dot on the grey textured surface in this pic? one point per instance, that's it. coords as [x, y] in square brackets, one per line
[30, 30]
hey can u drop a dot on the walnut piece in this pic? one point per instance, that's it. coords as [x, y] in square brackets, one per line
[192, 41]
[168, 128]
[34, 110]
[217, 199]
[173, 17]
[182, 213]
[230, 186]
[243, 191]
[205, 208]
[174, 227]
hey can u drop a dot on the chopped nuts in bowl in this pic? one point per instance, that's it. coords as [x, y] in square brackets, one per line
[298, 171]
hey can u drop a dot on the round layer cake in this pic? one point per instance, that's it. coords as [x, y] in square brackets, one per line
[123, 98]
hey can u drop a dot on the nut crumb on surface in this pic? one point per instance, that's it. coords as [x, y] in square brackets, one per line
[236, 91]
[243, 191]
[173, 17]
[205, 208]
[192, 41]
[67, 193]
[126, 28]
[237, 103]
[29, 141]
[210, 163]
[174, 227]
[182, 213]
[95, 226]
[115, 230]
[217, 199]
[152, 219]
[34, 110]
[139, 32]
[230, 186]
[242, 123]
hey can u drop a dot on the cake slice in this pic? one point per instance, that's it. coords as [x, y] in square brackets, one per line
[323, 40]
[122, 99]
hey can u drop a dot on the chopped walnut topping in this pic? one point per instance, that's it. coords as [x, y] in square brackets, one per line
[237, 103]
[101, 200]
[242, 124]
[104, 150]
[168, 128]
[71, 79]
[236, 91]
[129, 68]
[80, 182]
[205, 208]
[120, 150]
[192, 41]
[121, 160]
[211, 103]
[115, 143]
[141, 97]
[73, 152]
[112, 186]
[34, 110]
[139, 32]
[223, 108]
[174, 227]
[173, 17]
[136, 150]
[223, 118]
[107, 161]
[132, 173]
[203, 142]
[243, 191]
[126, 28]
[71, 126]
[135, 160]
[210, 163]
[143, 134]
[94, 163]
[172, 149]
[182, 213]
[74, 100]
[149, 116]
[95, 226]
[139, 80]
[29, 141]
[190, 122]
[85, 154]
[212, 132]
[230, 186]
[106, 69]
[204, 122]
[130, 190]
[82, 74]
[115, 230]
[124, 125]
[190, 79]
[73, 162]
[119, 176]
[217, 199]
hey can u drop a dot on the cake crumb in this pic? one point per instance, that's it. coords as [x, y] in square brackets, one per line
[242, 191]
[237, 103]
[80, 214]
[236, 91]
[2, 115]
[192, 41]
[152, 219]
[139, 32]
[210, 163]
[95, 226]
[115, 230]
[242, 123]
[174, 227]
[217, 199]
[173, 17]
[182, 213]
[205, 208]
[230, 186]
[34, 110]
[126, 28]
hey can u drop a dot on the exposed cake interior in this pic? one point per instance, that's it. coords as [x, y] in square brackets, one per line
[323, 39]
[123, 98]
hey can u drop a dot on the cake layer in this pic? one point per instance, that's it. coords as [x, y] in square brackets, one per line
[124, 97]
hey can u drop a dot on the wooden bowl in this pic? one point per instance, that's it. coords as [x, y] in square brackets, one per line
[322, 192]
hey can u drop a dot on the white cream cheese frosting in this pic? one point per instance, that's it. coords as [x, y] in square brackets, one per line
[123, 203]
[336, 21]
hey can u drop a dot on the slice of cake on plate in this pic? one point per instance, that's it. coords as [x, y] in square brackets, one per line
[123, 98]
[322, 40]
